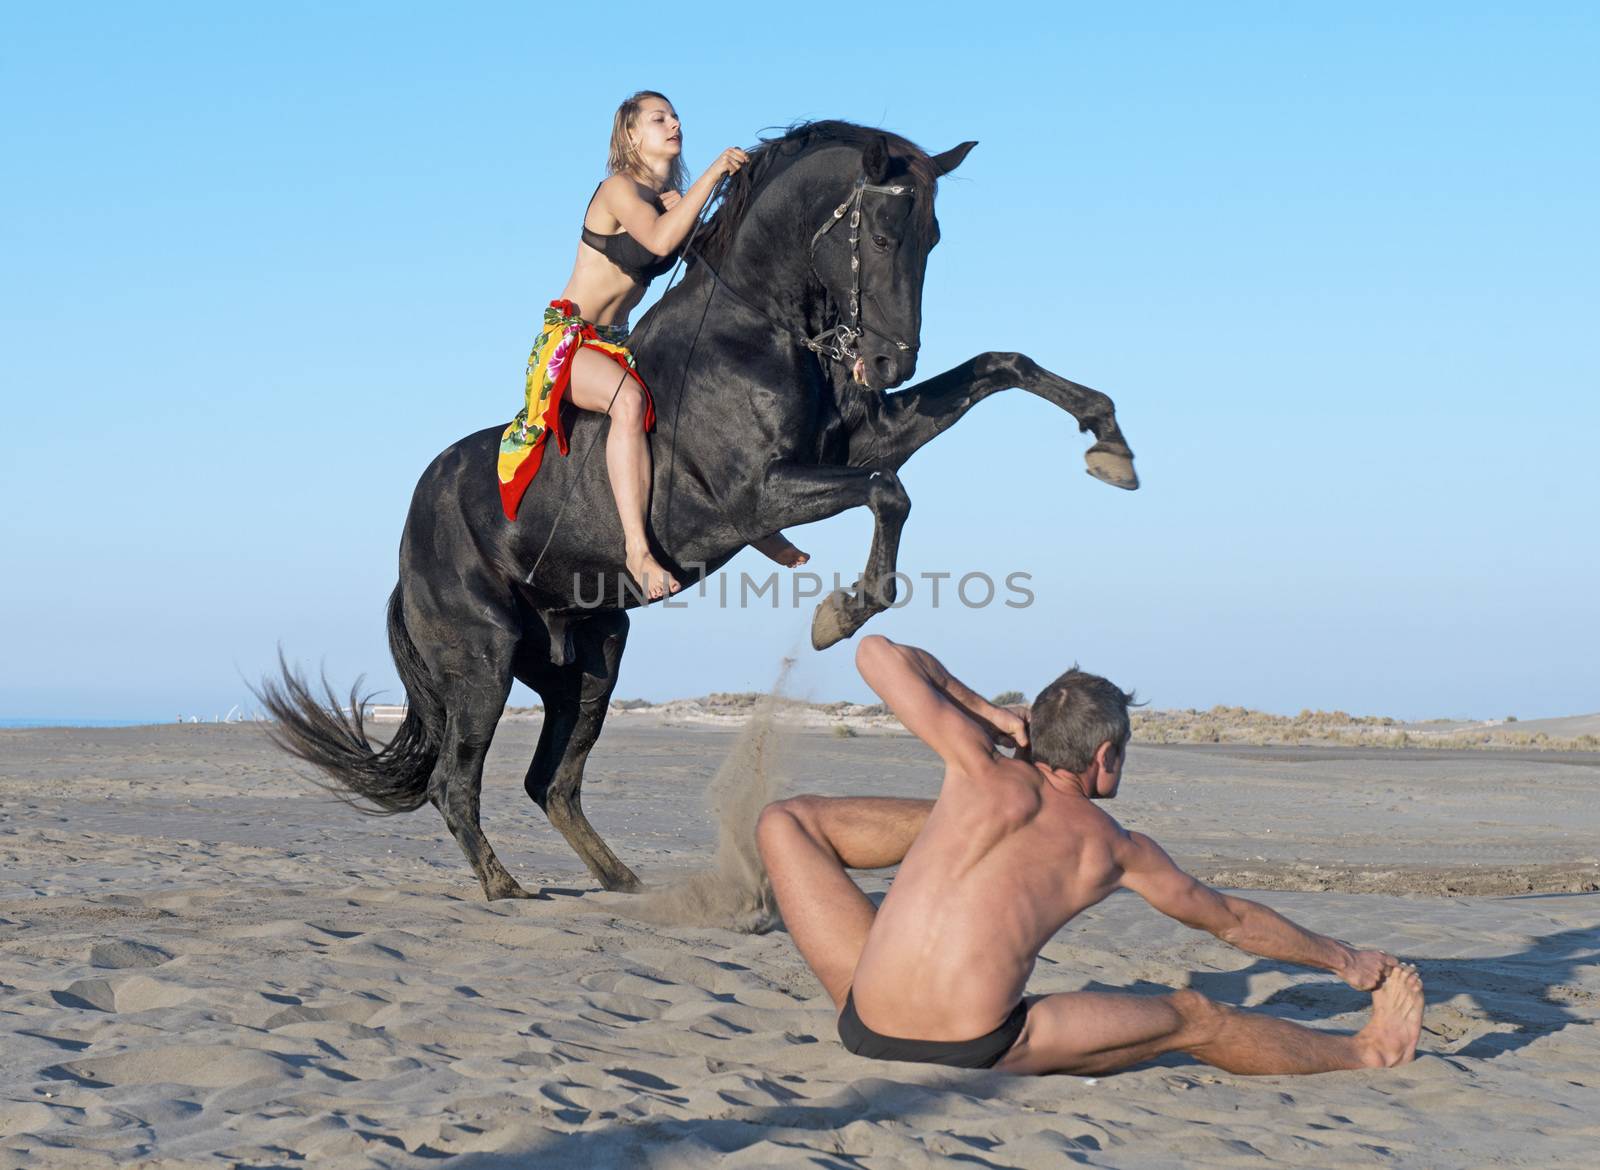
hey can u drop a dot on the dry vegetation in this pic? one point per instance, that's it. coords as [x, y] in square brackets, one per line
[1223, 724]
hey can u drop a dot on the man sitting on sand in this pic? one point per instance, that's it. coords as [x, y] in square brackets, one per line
[1010, 852]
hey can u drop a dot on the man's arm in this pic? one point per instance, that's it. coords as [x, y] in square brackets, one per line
[934, 705]
[1250, 926]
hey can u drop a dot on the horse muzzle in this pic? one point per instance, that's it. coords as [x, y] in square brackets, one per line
[883, 371]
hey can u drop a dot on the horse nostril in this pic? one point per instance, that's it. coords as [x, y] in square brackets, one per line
[886, 369]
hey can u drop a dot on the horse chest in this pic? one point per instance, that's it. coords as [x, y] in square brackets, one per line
[797, 420]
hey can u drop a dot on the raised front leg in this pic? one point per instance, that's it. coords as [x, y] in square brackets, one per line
[895, 426]
[575, 700]
[793, 494]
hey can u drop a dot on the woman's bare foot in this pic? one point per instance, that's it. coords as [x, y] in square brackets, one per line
[653, 580]
[778, 547]
[1390, 1037]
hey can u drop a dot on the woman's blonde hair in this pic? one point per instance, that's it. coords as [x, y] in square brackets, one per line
[624, 159]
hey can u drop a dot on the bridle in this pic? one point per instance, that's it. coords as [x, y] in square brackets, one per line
[838, 340]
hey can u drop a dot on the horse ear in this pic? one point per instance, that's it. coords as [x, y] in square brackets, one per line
[951, 159]
[875, 160]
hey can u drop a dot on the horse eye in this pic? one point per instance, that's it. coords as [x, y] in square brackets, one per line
[881, 241]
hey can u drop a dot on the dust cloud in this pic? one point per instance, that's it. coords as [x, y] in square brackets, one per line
[735, 893]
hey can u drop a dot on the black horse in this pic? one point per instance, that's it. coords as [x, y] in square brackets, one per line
[801, 305]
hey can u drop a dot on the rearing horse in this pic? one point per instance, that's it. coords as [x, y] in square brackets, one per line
[769, 364]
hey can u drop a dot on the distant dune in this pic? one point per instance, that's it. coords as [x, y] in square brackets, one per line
[1219, 724]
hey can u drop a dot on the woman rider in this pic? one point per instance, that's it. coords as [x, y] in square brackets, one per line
[635, 225]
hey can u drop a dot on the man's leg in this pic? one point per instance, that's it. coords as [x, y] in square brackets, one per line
[807, 843]
[1091, 1032]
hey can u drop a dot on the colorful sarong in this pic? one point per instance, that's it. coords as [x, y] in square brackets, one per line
[549, 372]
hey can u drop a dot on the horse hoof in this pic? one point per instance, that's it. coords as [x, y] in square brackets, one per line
[625, 883]
[831, 623]
[1112, 466]
[513, 890]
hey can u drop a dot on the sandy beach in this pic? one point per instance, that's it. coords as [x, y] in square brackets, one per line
[205, 961]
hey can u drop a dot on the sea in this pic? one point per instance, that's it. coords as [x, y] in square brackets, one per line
[83, 722]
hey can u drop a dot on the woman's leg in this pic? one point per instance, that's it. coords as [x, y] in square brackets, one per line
[594, 386]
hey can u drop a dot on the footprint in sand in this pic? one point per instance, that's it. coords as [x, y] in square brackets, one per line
[138, 994]
[123, 954]
[350, 1010]
[203, 1066]
[95, 995]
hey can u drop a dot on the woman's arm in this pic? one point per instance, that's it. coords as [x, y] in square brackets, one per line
[664, 233]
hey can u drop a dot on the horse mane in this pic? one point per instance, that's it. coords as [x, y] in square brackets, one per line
[775, 155]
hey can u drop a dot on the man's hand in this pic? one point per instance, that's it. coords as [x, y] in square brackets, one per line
[1364, 970]
[1008, 725]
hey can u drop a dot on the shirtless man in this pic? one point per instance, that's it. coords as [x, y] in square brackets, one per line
[1010, 852]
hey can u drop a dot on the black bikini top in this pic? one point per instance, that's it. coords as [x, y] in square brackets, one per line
[629, 254]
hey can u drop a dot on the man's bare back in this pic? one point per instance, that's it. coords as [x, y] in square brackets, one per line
[958, 933]
[1010, 852]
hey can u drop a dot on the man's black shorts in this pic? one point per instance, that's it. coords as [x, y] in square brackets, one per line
[981, 1052]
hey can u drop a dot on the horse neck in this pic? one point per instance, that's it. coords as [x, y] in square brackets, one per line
[769, 261]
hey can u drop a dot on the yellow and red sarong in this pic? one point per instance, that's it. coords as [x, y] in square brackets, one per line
[549, 373]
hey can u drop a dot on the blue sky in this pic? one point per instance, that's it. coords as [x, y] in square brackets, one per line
[1336, 267]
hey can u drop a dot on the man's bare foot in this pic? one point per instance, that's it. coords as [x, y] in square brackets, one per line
[1390, 1037]
[653, 580]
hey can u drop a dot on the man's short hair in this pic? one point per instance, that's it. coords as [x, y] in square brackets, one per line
[1073, 716]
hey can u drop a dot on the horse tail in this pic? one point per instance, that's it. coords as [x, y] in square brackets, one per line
[375, 780]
